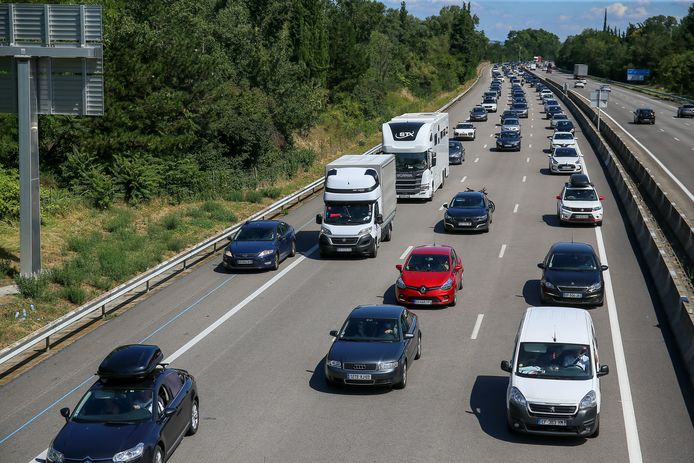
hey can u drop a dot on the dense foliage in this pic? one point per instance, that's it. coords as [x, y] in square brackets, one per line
[205, 97]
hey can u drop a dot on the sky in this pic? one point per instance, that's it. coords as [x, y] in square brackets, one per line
[561, 17]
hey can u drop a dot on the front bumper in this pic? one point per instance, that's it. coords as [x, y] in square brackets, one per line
[465, 135]
[508, 146]
[243, 262]
[458, 159]
[581, 424]
[555, 296]
[345, 244]
[438, 297]
[377, 377]
[565, 168]
[580, 217]
[465, 223]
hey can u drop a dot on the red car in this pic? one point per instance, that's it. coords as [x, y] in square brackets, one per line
[432, 275]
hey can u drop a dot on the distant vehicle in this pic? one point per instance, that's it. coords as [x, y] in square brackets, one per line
[644, 116]
[578, 202]
[260, 244]
[469, 210]
[138, 410]
[565, 160]
[431, 275]
[508, 140]
[605, 88]
[478, 113]
[685, 110]
[456, 152]
[557, 117]
[375, 347]
[554, 388]
[508, 113]
[489, 104]
[491, 94]
[521, 109]
[465, 131]
[579, 84]
[572, 274]
[580, 71]
[552, 110]
[510, 125]
[547, 102]
[565, 126]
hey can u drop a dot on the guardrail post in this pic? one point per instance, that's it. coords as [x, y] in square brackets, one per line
[48, 343]
[184, 264]
[214, 247]
[103, 311]
[147, 286]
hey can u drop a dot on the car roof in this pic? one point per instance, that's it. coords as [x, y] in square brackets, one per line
[376, 311]
[442, 249]
[556, 324]
[563, 133]
[579, 248]
[261, 223]
[468, 193]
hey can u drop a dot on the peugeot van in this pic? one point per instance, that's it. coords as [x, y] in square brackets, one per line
[554, 387]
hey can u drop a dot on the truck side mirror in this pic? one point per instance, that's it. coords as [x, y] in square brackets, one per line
[379, 219]
[319, 219]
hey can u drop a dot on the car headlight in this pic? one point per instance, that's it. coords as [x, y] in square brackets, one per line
[53, 456]
[267, 252]
[400, 284]
[228, 253]
[596, 287]
[597, 208]
[578, 161]
[446, 216]
[517, 397]
[448, 284]
[387, 365]
[548, 284]
[588, 401]
[325, 231]
[481, 217]
[334, 363]
[554, 161]
[130, 454]
[364, 230]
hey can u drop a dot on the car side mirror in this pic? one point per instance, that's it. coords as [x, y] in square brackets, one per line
[445, 205]
[604, 369]
[229, 238]
[601, 198]
[65, 413]
[379, 219]
[169, 411]
[541, 265]
[458, 268]
[505, 366]
[603, 267]
[398, 267]
[409, 335]
[549, 155]
[333, 333]
[558, 197]
[319, 219]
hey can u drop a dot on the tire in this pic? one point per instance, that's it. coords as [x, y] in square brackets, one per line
[455, 300]
[460, 285]
[194, 419]
[158, 456]
[292, 253]
[489, 226]
[389, 233]
[276, 264]
[431, 198]
[403, 382]
[418, 355]
[374, 251]
[599, 224]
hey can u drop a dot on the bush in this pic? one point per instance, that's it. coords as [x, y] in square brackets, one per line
[253, 196]
[218, 212]
[175, 244]
[171, 221]
[138, 176]
[88, 178]
[74, 294]
[32, 287]
[9, 194]
[7, 269]
[70, 274]
[233, 195]
[121, 219]
[271, 192]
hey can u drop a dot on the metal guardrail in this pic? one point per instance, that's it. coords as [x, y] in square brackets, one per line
[144, 279]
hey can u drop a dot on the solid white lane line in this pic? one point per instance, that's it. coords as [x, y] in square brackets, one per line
[515, 208]
[485, 146]
[477, 159]
[633, 444]
[463, 179]
[662, 130]
[676, 139]
[524, 177]
[478, 324]
[503, 250]
[407, 251]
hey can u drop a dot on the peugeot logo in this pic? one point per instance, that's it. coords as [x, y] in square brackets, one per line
[359, 366]
[551, 409]
[423, 289]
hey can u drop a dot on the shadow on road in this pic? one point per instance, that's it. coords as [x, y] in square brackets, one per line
[531, 292]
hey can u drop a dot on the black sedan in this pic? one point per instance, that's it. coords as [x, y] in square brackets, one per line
[375, 346]
[137, 411]
[508, 141]
[260, 244]
[572, 274]
[456, 152]
[478, 113]
[468, 210]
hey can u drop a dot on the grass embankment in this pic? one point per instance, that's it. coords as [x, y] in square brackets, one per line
[87, 251]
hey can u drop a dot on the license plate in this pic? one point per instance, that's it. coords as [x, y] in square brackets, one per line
[423, 301]
[244, 261]
[359, 377]
[344, 249]
[582, 216]
[572, 295]
[464, 224]
[551, 422]
[403, 196]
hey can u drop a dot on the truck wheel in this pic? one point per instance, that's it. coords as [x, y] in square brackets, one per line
[389, 233]
[374, 251]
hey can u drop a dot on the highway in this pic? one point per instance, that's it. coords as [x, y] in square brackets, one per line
[256, 341]
[670, 139]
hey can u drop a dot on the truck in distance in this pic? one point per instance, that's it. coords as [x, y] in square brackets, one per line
[580, 71]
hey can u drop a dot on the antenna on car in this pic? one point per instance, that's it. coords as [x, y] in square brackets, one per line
[554, 335]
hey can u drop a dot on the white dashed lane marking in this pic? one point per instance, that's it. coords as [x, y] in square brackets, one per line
[527, 160]
[485, 146]
[404, 254]
[515, 208]
[478, 324]
[676, 139]
[524, 177]
[662, 130]
[463, 179]
[477, 160]
[503, 250]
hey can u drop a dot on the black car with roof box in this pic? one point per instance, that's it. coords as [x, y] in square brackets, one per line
[137, 411]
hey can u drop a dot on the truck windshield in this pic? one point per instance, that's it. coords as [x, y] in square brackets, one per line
[410, 161]
[347, 214]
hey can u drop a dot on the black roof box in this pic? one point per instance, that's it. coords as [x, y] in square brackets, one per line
[579, 180]
[130, 361]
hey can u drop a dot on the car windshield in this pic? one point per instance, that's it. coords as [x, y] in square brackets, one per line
[509, 134]
[580, 195]
[565, 125]
[511, 121]
[370, 330]
[572, 262]
[114, 405]
[347, 214]
[519, 106]
[410, 161]
[467, 202]
[563, 136]
[560, 116]
[428, 263]
[478, 110]
[489, 100]
[565, 153]
[554, 360]
[464, 126]
[256, 233]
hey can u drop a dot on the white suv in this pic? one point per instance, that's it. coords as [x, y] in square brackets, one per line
[465, 131]
[554, 387]
[579, 202]
[565, 160]
[561, 139]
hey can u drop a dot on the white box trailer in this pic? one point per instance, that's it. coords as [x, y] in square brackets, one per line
[360, 203]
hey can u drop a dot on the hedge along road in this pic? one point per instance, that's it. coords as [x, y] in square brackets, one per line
[263, 394]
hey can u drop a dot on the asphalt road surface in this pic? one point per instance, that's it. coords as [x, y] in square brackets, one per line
[256, 341]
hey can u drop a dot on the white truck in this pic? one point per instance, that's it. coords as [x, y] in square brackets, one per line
[580, 71]
[360, 205]
[419, 142]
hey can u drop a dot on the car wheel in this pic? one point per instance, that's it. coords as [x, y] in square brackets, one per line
[374, 250]
[455, 300]
[403, 382]
[418, 355]
[194, 419]
[596, 433]
[158, 456]
[460, 285]
[489, 226]
[276, 264]
[599, 224]
[292, 253]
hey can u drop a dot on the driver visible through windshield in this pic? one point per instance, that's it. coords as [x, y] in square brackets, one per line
[580, 195]
[428, 263]
[572, 262]
[370, 329]
[554, 360]
[114, 405]
[467, 202]
[347, 214]
[255, 234]
[410, 161]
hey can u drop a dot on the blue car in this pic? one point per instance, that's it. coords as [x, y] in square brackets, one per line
[137, 411]
[375, 346]
[469, 210]
[260, 244]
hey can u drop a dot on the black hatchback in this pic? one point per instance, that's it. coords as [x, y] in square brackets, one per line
[572, 274]
[644, 116]
[137, 411]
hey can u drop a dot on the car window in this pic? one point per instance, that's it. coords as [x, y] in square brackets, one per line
[467, 202]
[370, 329]
[572, 262]
[563, 136]
[580, 195]
[428, 263]
[163, 399]
[405, 323]
[174, 382]
[114, 405]
[256, 233]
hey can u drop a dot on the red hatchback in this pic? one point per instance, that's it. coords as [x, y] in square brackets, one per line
[432, 275]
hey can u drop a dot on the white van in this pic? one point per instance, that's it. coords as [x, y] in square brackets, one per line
[554, 387]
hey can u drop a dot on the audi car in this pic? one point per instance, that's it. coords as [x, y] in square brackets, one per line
[572, 274]
[260, 244]
[431, 275]
[374, 347]
[137, 411]
[468, 210]
[578, 202]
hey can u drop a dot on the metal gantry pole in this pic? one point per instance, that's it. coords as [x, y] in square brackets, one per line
[29, 200]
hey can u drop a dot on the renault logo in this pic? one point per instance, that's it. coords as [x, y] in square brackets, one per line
[359, 366]
[423, 289]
